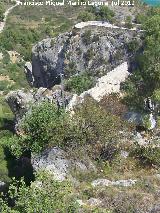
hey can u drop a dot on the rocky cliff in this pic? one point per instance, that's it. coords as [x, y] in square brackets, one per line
[94, 49]
[21, 102]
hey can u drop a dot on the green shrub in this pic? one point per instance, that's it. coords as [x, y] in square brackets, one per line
[147, 155]
[79, 83]
[99, 128]
[133, 46]
[146, 122]
[95, 38]
[86, 37]
[89, 54]
[6, 58]
[43, 126]
[86, 16]
[20, 40]
[128, 22]
[71, 69]
[105, 14]
[3, 166]
[140, 18]
[49, 196]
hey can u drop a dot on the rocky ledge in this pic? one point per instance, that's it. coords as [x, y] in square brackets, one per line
[96, 50]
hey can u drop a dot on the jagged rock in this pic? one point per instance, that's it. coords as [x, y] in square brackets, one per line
[74, 52]
[20, 101]
[48, 61]
[29, 74]
[105, 182]
[55, 160]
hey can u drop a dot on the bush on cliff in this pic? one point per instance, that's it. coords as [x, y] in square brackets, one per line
[80, 83]
[45, 126]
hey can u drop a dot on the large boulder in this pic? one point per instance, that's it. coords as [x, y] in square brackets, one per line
[48, 61]
[21, 101]
[95, 49]
[57, 162]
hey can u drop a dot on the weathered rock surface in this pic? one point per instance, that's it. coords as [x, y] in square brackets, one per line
[55, 161]
[105, 182]
[95, 49]
[106, 85]
[28, 72]
[20, 101]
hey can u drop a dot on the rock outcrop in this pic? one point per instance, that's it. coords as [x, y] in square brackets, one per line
[95, 49]
[56, 161]
[20, 101]
[105, 85]
[105, 182]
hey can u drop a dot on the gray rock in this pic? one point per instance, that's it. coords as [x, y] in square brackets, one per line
[155, 209]
[55, 161]
[140, 140]
[105, 182]
[94, 202]
[70, 54]
[48, 61]
[134, 117]
[20, 101]
[124, 154]
[101, 182]
[124, 183]
[29, 74]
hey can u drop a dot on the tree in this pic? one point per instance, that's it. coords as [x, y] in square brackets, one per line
[44, 195]
[45, 124]
[148, 78]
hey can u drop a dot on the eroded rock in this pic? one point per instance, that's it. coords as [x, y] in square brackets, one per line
[55, 161]
[95, 49]
[105, 182]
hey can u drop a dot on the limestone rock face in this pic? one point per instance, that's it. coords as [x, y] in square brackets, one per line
[28, 72]
[48, 61]
[95, 49]
[20, 101]
[105, 182]
[55, 161]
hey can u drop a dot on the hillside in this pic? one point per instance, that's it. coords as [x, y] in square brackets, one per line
[79, 109]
